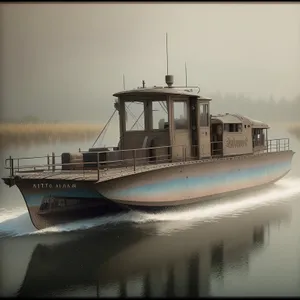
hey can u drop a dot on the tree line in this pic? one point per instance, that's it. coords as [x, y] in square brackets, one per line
[282, 110]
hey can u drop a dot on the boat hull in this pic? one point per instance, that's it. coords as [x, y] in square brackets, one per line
[196, 181]
[53, 202]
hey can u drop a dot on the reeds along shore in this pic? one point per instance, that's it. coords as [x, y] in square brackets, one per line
[22, 134]
[295, 130]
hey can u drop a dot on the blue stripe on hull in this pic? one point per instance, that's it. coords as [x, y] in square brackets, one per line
[225, 179]
[36, 199]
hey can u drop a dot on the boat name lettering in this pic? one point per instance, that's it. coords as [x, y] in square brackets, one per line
[54, 186]
[233, 143]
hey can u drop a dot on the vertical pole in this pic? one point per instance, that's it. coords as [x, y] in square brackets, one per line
[267, 140]
[98, 171]
[167, 54]
[123, 82]
[18, 165]
[48, 162]
[11, 162]
[134, 161]
[53, 162]
[186, 79]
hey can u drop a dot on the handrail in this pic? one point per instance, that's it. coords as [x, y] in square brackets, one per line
[134, 161]
[131, 161]
[278, 145]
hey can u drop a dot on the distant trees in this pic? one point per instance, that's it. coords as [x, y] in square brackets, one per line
[282, 110]
[263, 109]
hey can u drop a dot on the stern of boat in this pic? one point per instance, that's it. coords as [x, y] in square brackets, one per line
[51, 203]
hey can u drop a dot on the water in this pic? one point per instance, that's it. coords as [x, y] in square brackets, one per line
[247, 245]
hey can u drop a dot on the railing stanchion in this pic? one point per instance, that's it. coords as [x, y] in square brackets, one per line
[134, 160]
[11, 163]
[98, 170]
[48, 162]
[53, 162]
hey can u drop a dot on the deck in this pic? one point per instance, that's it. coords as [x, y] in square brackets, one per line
[96, 175]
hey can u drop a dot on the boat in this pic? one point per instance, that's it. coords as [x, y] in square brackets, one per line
[178, 160]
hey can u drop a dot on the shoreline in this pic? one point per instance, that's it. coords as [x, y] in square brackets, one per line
[27, 133]
[22, 134]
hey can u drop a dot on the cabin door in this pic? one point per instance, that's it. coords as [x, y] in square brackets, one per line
[204, 130]
[194, 132]
[216, 139]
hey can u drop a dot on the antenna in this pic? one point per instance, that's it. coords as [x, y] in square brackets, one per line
[167, 54]
[124, 82]
[186, 78]
[168, 78]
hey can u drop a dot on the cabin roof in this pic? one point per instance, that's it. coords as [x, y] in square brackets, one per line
[161, 91]
[256, 123]
[227, 119]
[237, 119]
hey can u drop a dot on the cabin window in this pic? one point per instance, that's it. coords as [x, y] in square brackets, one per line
[134, 115]
[233, 127]
[159, 115]
[180, 114]
[204, 115]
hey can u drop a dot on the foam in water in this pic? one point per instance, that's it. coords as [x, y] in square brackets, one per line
[208, 212]
[6, 214]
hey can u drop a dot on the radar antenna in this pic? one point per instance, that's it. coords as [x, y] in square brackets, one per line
[167, 54]
[186, 77]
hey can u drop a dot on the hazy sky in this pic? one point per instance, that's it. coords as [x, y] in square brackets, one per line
[61, 58]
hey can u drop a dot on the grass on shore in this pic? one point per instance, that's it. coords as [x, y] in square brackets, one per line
[22, 133]
[27, 133]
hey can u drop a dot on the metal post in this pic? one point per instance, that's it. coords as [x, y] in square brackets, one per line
[134, 162]
[98, 171]
[48, 161]
[18, 165]
[267, 140]
[277, 145]
[11, 163]
[53, 162]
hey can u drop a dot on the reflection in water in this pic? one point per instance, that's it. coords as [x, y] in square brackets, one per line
[132, 260]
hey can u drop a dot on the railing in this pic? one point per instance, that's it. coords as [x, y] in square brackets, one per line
[216, 148]
[129, 158]
[278, 145]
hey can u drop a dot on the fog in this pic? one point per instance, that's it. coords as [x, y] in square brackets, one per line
[64, 61]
